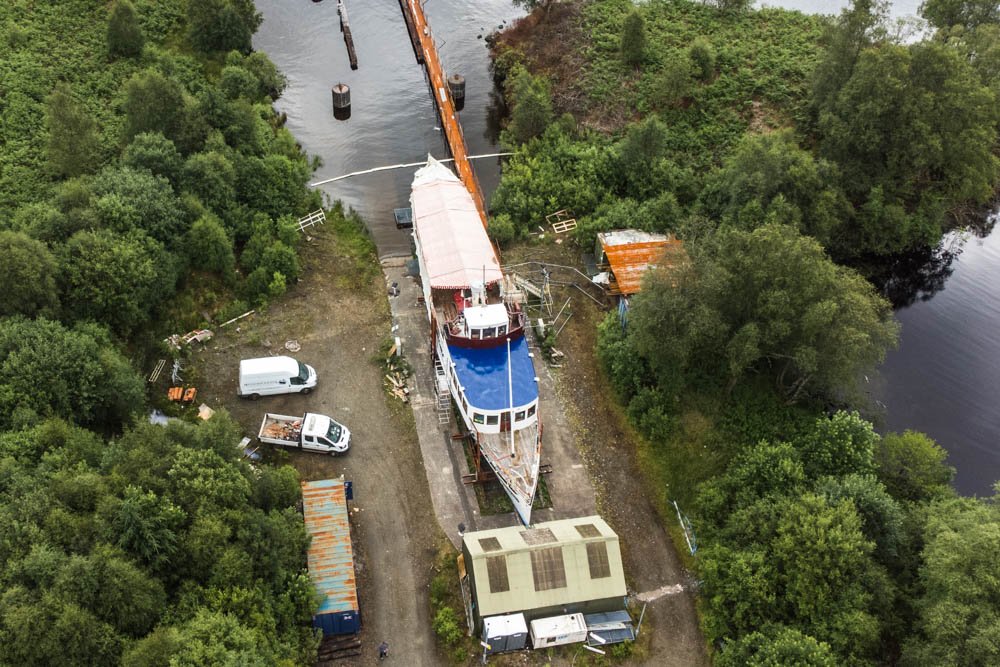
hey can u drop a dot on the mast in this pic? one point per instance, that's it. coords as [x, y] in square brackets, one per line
[510, 387]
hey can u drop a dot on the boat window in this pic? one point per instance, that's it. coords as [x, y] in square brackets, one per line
[478, 418]
[531, 411]
[477, 333]
[519, 416]
[492, 420]
[502, 331]
[490, 333]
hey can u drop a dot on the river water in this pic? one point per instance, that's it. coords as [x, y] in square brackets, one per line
[393, 119]
[943, 380]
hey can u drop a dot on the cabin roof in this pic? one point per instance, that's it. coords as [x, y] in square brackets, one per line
[453, 244]
[630, 252]
[482, 372]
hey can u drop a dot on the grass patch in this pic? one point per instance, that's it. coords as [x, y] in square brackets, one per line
[447, 607]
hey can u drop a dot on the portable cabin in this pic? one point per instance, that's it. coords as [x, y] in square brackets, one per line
[610, 627]
[624, 255]
[558, 630]
[553, 568]
[331, 556]
[505, 633]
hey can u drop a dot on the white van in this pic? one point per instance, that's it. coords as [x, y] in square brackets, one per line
[275, 375]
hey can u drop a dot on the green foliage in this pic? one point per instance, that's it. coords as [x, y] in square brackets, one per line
[912, 466]
[702, 55]
[766, 301]
[155, 153]
[673, 82]
[124, 32]
[633, 44]
[73, 143]
[779, 645]
[841, 445]
[127, 200]
[116, 280]
[30, 266]
[957, 623]
[222, 25]
[966, 13]
[50, 370]
[447, 626]
[154, 103]
[208, 246]
[532, 106]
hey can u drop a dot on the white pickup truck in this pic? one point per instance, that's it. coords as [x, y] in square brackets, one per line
[311, 433]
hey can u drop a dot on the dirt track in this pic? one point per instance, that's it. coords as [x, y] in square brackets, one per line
[340, 326]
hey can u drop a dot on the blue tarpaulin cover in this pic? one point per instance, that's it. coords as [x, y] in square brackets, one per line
[482, 373]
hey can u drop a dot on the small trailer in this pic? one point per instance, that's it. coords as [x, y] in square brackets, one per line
[312, 433]
[558, 630]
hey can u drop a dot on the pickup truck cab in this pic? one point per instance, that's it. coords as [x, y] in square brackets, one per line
[311, 432]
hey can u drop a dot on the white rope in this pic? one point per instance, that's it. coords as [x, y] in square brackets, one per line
[398, 166]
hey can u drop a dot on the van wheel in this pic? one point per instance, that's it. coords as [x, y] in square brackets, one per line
[253, 397]
[306, 390]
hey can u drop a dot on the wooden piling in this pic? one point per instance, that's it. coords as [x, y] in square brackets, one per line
[412, 30]
[345, 27]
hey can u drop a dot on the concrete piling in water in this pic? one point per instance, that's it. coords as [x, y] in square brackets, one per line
[341, 101]
[456, 86]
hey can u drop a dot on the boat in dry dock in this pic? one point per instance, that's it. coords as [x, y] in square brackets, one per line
[478, 335]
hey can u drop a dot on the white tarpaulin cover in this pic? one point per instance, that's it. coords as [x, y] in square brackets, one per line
[450, 234]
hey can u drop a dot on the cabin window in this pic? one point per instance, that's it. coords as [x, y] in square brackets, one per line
[477, 333]
[519, 416]
[502, 331]
[478, 418]
[492, 420]
[531, 411]
[491, 332]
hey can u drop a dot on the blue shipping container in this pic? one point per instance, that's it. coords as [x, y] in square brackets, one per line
[331, 557]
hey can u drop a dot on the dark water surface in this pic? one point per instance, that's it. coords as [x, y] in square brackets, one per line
[393, 119]
[943, 380]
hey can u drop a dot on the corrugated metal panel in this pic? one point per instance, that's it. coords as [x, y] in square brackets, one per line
[331, 557]
[630, 262]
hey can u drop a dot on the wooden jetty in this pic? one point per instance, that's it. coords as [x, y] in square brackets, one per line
[345, 27]
[412, 30]
[446, 107]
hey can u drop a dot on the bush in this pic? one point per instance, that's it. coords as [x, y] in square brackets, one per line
[446, 626]
[124, 34]
[702, 56]
[634, 40]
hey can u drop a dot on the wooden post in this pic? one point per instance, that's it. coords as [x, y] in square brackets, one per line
[345, 26]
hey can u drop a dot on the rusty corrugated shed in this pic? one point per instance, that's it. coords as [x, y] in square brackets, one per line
[331, 557]
[629, 261]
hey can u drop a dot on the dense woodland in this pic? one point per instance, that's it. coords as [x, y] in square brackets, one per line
[787, 152]
[146, 184]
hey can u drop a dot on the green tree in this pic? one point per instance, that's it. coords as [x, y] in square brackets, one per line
[766, 301]
[777, 647]
[966, 13]
[532, 106]
[127, 200]
[633, 42]
[209, 247]
[73, 144]
[674, 80]
[770, 175]
[155, 153]
[844, 444]
[222, 25]
[124, 32]
[913, 467]
[213, 178]
[115, 280]
[702, 55]
[146, 526]
[53, 370]
[154, 103]
[28, 265]
[957, 622]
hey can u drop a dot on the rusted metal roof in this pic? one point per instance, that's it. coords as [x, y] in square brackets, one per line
[331, 557]
[629, 258]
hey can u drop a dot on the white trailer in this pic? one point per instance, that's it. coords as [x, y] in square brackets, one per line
[311, 432]
[558, 630]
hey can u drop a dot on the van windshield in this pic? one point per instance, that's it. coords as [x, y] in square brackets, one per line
[303, 375]
[334, 432]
